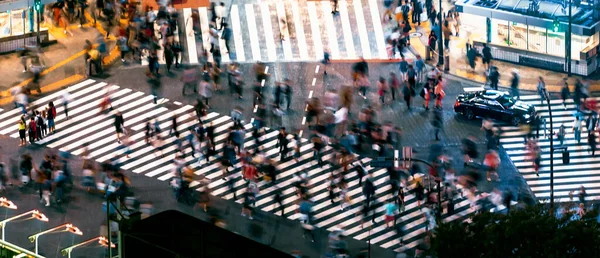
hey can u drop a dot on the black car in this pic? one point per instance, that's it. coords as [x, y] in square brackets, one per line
[498, 105]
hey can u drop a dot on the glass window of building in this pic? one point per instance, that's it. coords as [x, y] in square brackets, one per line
[556, 43]
[500, 32]
[536, 39]
[473, 26]
[5, 28]
[518, 35]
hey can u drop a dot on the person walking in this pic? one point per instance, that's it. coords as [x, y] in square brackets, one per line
[577, 128]
[169, 56]
[514, 84]
[119, 124]
[437, 122]
[65, 98]
[394, 84]
[494, 77]
[431, 43]
[22, 131]
[282, 142]
[592, 142]
[565, 93]
[226, 36]
[439, 94]
[382, 89]
[51, 116]
[403, 69]
[487, 56]
[541, 89]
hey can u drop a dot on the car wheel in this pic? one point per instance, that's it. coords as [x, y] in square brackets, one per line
[515, 121]
[469, 114]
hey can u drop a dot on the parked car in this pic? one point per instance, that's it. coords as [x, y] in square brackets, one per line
[498, 105]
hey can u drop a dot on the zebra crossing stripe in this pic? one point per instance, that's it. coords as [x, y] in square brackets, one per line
[252, 32]
[268, 32]
[316, 33]
[203, 13]
[43, 100]
[345, 19]
[331, 33]
[284, 29]
[237, 33]
[142, 161]
[190, 36]
[362, 29]
[379, 37]
[299, 32]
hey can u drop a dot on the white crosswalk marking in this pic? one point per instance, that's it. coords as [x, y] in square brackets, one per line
[203, 13]
[86, 125]
[379, 37]
[316, 32]
[237, 33]
[583, 167]
[190, 37]
[268, 30]
[344, 18]
[331, 33]
[252, 32]
[284, 29]
[362, 29]
[278, 32]
[299, 32]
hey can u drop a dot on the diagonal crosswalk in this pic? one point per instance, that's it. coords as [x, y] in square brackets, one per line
[297, 31]
[583, 169]
[86, 126]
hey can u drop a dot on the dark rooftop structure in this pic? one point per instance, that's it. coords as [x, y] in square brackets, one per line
[175, 234]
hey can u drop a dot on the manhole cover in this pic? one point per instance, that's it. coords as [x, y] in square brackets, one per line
[416, 34]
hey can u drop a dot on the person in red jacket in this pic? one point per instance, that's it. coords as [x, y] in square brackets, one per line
[32, 130]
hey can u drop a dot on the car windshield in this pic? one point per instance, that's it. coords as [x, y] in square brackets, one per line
[506, 101]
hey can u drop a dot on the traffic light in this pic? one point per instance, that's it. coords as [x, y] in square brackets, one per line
[556, 25]
[38, 5]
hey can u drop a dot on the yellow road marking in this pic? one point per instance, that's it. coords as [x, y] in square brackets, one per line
[50, 87]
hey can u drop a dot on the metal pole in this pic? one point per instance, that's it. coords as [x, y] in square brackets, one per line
[108, 227]
[569, 39]
[440, 37]
[38, 23]
[3, 225]
[551, 152]
[36, 244]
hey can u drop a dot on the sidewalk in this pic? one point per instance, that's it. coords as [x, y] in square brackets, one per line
[459, 65]
[63, 61]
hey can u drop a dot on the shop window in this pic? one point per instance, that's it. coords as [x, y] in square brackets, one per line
[556, 43]
[518, 35]
[5, 28]
[500, 32]
[536, 39]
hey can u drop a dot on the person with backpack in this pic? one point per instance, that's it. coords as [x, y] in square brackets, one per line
[51, 117]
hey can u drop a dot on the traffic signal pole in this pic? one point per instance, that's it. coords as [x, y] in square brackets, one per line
[569, 38]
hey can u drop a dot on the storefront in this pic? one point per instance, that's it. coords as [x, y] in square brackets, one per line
[18, 25]
[539, 40]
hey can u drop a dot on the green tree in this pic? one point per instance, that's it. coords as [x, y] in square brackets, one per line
[530, 232]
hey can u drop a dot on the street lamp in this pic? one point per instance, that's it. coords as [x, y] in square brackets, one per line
[68, 227]
[8, 204]
[101, 240]
[35, 214]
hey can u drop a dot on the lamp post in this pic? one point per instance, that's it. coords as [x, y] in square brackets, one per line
[35, 214]
[101, 240]
[68, 227]
[440, 37]
[547, 96]
[568, 38]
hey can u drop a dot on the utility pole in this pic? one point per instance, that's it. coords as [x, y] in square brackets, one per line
[569, 39]
[440, 37]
